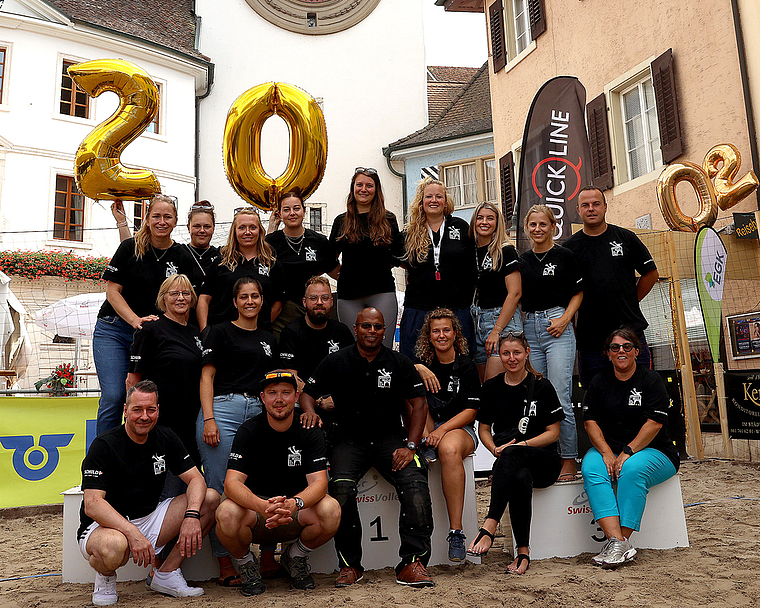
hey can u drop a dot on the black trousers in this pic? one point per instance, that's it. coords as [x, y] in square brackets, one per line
[349, 462]
[517, 471]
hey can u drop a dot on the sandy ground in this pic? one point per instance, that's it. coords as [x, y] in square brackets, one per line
[721, 568]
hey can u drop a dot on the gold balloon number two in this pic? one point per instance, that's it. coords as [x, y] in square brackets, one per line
[722, 164]
[100, 174]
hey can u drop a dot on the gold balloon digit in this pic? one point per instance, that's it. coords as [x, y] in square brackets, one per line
[242, 143]
[666, 197]
[728, 192]
[99, 172]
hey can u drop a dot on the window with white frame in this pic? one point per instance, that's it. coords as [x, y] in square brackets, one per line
[471, 182]
[521, 20]
[74, 101]
[68, 216]
[3, 55]
[155, 124]
[315, 218]
[640, 128]
[491, 180]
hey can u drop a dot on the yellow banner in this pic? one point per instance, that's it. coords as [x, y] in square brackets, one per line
[42, 443]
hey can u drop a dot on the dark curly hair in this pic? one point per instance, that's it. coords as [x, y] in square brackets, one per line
[424, 349]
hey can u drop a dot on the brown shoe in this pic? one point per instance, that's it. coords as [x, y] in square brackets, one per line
[415, 575]
[348, 576]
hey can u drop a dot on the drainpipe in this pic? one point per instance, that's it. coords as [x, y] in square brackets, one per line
[198, 99]
[387, 154]
[745, 89]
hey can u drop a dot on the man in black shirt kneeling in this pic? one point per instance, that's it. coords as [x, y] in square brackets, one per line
[123, 475]
[276, 488]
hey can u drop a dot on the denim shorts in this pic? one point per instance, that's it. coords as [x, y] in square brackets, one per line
[467, 428]
[484, 320]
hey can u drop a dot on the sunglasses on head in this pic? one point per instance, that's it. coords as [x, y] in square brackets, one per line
[165, 198]
[627, 347]
[205, 207]
[367, 170]
[277, 375]
[513, 333]
[375, 326]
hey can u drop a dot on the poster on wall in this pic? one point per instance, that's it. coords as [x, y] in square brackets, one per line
[744, 331]
[743, 397]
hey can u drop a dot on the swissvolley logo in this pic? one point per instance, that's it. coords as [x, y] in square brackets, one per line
[36, 461]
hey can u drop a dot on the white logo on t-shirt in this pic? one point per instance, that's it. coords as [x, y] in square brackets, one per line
[453, 385]
[311, 254]
[294, 457]
[616, 248]
[332, 346]
[487, 262]
[532, 409]
[170, 269]
[549, 270]
[267, 349]
[263, 270]
[383, 379]
[453, 233]
[634, 399]
[198, 343]
[159, 464]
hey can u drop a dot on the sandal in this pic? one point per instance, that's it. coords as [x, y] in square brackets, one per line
[568, 477]
[230, 581]
[521, 557]
[481, 533]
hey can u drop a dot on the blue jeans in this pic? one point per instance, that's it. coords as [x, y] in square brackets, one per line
[111, 343]
[554, 358]
[230, 411]
[484, 320]
[644, 470]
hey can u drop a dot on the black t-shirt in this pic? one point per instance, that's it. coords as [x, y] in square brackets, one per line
[220, 280]
[302, 348]
[314, 256]
[491, 288]
[171, 355]
[549, 279]
[460, 388]
[503, 407]
[609, 263]
[621, 409]
[205, 259]
[368, 395]
[366, 268]
[241, 358]
[141, 279]
[277, 462]
[131, 474]
[457, 267]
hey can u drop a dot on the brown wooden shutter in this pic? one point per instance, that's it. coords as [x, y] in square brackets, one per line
[599, 143]
[507, 184]
[498, 44]
[537, 14]
[665, 95]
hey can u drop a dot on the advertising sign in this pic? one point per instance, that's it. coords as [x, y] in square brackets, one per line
[710, 266]
[743, 397]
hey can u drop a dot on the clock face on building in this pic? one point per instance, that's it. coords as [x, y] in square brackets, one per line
[314, 17]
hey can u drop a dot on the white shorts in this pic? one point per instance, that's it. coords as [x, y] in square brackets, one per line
[149, 526]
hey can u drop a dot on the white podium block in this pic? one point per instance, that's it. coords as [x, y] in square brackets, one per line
[379, 511]
[563, 524]
[201, 567]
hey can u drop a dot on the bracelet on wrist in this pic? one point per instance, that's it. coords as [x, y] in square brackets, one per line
[207, 419]
[192, 514]
[121, 224]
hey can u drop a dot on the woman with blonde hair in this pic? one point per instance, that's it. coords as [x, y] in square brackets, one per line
[133, 278]
[370, 243]
[246, 254]
[440, 263]
[498, 289]
[551, 295]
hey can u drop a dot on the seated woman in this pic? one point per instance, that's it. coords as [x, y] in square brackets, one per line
[523, 409]
[453, 388]
[625, 412]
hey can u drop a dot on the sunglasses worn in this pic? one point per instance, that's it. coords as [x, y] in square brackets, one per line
[375, 326]
[367, 170]
[627, 347]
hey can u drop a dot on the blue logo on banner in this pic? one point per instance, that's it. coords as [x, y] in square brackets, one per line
[42, 459]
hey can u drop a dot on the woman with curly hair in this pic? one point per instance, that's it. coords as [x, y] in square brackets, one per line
[368, 238]
[246, 254]
[440, 263]
[133, 277]
[453, 388]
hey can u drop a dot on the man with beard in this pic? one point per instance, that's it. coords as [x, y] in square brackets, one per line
[285, 500]
[370, 385]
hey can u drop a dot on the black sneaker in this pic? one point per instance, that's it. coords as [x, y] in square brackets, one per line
[457, 550]
[299, 570]
[250, 577]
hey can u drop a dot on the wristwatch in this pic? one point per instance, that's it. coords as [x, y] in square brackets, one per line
[411, 445]
[627, 450]
[299, 502]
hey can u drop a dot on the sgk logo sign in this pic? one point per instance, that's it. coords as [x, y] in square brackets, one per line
[35, 462]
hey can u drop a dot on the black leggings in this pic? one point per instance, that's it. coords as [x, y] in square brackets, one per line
[517, 471]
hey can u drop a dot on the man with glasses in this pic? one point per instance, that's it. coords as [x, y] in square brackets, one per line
[370, 385]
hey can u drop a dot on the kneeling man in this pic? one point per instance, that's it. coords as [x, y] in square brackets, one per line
[276, 488]
[123, 475]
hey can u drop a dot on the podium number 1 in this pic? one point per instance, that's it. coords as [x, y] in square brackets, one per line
[379, 536]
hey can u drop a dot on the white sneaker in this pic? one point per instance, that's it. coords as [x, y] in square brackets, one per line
[598, 560]
[619, 553]
[174, 584]
[105, 590]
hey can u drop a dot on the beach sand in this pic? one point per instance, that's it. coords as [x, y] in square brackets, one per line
[720, 568]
